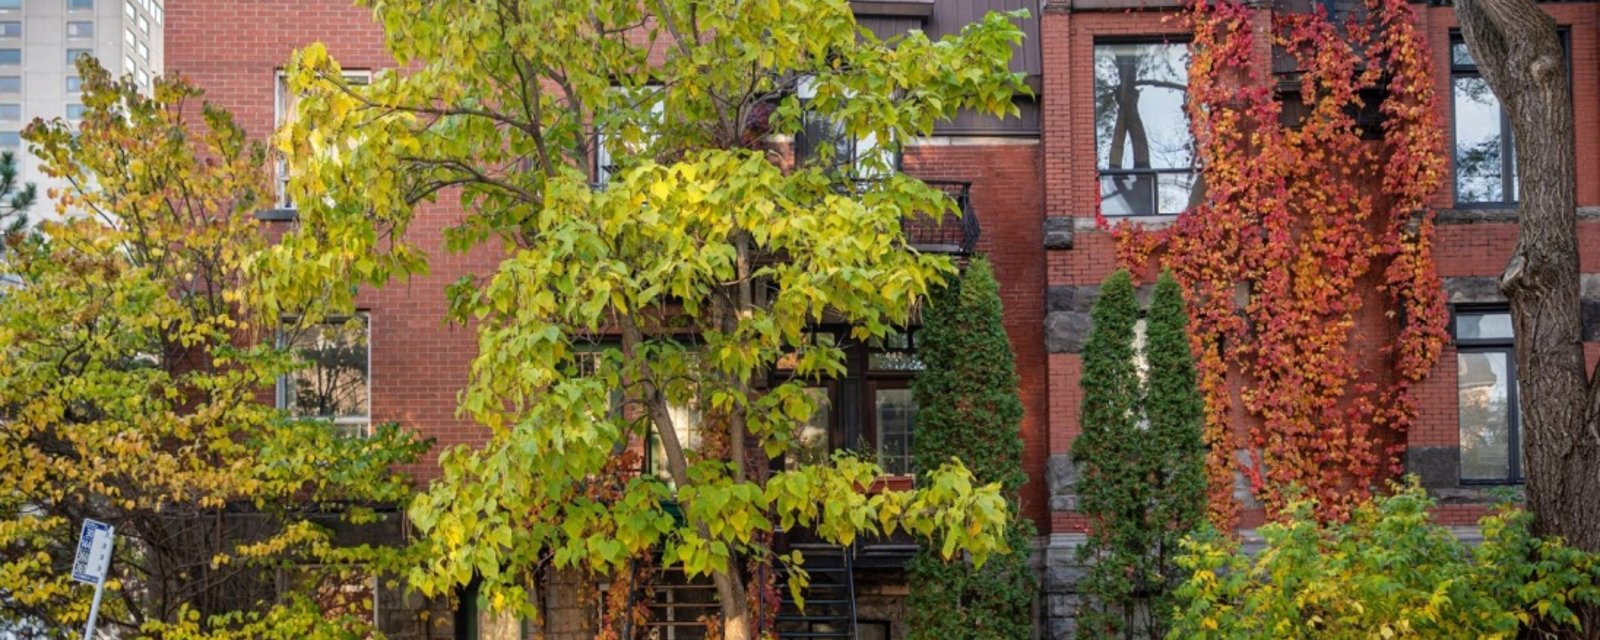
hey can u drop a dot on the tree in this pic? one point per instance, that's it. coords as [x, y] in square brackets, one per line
[1316, 196]
[15, 197]
[1141, 458]
[968, 409]
[1112, 491]
[132, 364]
[654, 250]
[1518, 48]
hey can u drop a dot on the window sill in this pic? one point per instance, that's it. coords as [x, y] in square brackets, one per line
[892, 483]
[280, 214]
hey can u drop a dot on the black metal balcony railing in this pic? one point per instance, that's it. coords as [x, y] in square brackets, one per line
[954, 232]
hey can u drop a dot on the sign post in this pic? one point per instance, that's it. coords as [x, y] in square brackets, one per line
[89, 566]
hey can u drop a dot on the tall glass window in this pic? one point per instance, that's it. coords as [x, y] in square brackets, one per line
[1144, 149]
[1485, 162]
[335, 385]
[1486, 392]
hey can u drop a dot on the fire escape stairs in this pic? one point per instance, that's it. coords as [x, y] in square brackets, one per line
[830, 600]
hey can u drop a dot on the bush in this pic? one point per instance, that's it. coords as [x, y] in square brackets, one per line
[1389, 571]
[1141, 458]
[968, 408]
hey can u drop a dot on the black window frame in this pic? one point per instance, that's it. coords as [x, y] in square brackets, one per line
[1510, 188]
[1515, 474]
[1193, 170]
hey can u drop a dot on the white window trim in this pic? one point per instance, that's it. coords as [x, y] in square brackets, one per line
[280, 94]
[364, 422]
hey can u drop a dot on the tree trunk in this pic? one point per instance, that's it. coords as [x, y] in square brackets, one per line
[1518, 50]
[729, 584]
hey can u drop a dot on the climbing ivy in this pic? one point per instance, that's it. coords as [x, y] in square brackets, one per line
[1303, 218]
[968, 408]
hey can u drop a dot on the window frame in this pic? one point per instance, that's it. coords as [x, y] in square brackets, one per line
[1155, 173]
[1515, 474]
[17, 91]
[20, 57]
[80, 25]
[1510, 187]
[11, 134]
[340, 424]
[280, 93]
[6, 24]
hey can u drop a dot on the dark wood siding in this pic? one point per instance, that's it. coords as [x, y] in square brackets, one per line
[948, 17]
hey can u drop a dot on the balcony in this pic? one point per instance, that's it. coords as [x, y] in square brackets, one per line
[954, 232]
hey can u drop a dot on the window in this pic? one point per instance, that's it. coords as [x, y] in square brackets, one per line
[823, 140]
[10, 56]
[1486, 391]
[1144, 149]
[155, 11]
[128, 8]
[144, 25]
[80, 29]
[128, 37]
[74, 84]
[80, 5]
[11, 139]
[812, 442]
[142, 78]
[1483, 149]
[74, 111]
[10, 5]
[127, 63]
[284, 112]
[891, 415]
[74, 54]
[11, 29]
[335, 385]
[1485, 164]
[10, 112]
[144, 51]
[626, 140]
[10, 84]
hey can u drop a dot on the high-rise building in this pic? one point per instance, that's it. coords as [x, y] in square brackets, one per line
[39, 43]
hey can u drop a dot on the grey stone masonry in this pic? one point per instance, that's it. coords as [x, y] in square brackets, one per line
[1058, 232]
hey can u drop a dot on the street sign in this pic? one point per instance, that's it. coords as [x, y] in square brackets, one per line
[94, 553]
[94, 557]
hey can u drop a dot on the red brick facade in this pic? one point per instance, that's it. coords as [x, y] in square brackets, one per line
[233, 50]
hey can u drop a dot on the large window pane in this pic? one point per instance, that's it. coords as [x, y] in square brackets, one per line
[1484, 395]
[1141, 130]
[1481, 143]
[896, 412]
[335, 384]
[811, 439]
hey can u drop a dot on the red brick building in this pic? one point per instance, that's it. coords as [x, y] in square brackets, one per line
[1036, 184]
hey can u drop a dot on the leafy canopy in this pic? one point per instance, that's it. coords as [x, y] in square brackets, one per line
[132, 366]
[706, 254]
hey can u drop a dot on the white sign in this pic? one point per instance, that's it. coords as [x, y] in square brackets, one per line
[94, 553]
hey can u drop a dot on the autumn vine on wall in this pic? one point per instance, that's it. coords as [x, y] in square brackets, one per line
[1314, 300]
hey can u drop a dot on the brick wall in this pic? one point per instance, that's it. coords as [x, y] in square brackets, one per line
[1468, 243]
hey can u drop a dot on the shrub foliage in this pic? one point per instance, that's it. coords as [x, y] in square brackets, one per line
[968, 408]
[1389, 571]
[1141, 457]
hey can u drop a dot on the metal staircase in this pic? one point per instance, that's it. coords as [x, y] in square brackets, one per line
[680, 605]
[830, 601]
